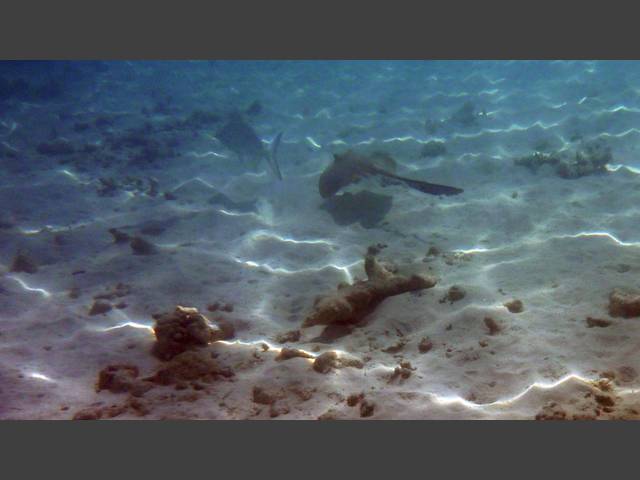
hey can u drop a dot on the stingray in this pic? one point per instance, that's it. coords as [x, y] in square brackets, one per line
[238, 136]
[351, 167]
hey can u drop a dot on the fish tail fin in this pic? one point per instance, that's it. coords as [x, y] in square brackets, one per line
[273, 156]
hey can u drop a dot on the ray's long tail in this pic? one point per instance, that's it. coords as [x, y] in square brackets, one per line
[424, 187]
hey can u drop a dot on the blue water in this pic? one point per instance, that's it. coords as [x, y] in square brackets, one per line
[546, 154]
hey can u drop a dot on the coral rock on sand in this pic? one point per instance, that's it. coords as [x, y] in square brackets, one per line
[227, 327]
[624, 304]
[122, 379]
[598, 322]
[329, 360]
[118, 236]
[492, 325]
[118, 291]
[354, 399]
[262, 397]
[291, 336]
[395, 348]
[425, 345]
[598, 402]
[587, 159]
[182, 330]
[403, 371]
[99, 307]
[97, 413]
[325, 362]
[117, 378]
[190, 366]
[22, 263]
[366, 409]
[140, 246]
[351, 303]
[454, 294]
[287, 353]
[514, 306]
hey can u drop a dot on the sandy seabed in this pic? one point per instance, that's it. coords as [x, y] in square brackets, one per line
[254, 259]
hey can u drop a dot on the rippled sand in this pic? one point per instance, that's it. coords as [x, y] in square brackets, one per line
[560, 246]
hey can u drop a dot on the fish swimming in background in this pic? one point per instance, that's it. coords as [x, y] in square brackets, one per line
[238, 136]
[351, 167]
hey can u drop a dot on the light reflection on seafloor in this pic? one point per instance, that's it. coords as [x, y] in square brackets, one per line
[272, 259]
[28, 288]
[443, 399]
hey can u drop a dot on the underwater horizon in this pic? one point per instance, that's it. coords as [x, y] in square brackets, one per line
[319, 239]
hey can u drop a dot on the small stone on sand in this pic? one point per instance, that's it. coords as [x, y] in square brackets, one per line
[99, 307]
[23, 264]
[624, 304]
[140, 246]
[366, 409]
[118, 236]
[182, 330]
[325, 362]
[262, 397]
[287, 353]
[454, 294]
[122, 379]
[598, 322]
[291, 336]
[492, 325]
[425, 345]
[515, 306]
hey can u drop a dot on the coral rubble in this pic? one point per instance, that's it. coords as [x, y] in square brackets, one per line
[351, 303]
[514, 306]
[624, 304]
[454, 294]
[23, 263]
[140, 246]
[588, 159]
[182, 330]
[190, 366]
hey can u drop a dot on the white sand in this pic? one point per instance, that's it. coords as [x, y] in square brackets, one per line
[560, 246]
